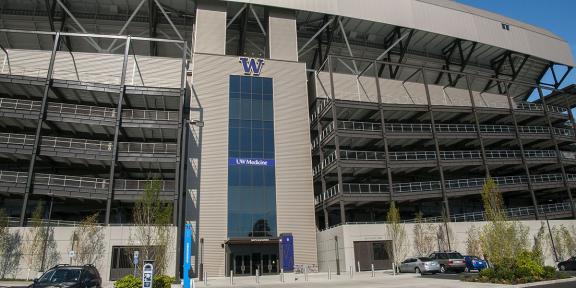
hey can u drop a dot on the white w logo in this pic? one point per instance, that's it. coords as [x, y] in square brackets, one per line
[251, 65]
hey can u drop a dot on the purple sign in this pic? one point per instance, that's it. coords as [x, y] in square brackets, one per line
[250, 162]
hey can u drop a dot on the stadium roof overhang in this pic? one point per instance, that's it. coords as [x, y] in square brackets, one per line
[374, 29]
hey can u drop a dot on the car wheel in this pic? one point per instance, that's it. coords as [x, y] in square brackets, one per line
[562, 268]
[417, 270]
[442, 269]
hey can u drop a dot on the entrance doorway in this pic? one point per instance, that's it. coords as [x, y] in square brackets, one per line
[244, 257]
[378, 253]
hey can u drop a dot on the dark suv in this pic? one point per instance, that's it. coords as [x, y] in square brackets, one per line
[449, 261]
[66, 276]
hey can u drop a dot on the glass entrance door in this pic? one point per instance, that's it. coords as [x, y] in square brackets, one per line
[244, 259]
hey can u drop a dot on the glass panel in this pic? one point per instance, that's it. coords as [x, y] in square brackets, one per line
[251, 177]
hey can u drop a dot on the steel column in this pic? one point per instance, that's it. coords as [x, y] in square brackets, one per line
[573, 126]
[559, 157]
[114, 158]
[384, 136]
[523, 156]
[321, 153]
[477, 122]
[38, 135]
[437, 148]
[335, 131]
[179, 176]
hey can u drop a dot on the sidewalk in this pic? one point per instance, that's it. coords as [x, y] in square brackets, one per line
[358, 279]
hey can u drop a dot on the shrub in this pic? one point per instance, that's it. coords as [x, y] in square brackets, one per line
[549, 272]
[527, 265]
[163, 281]
[128, 281]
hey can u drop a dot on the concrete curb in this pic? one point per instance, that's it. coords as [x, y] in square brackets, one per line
[547, 282]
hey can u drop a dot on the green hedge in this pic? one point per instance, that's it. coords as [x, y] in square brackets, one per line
[525, 268]
[129, 281]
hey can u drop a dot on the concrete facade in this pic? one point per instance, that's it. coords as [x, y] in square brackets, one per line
[348, 234]
[61, 241]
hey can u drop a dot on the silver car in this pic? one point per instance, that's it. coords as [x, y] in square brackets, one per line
[420, 265]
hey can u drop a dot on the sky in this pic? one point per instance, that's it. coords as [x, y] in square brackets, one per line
[556, 16]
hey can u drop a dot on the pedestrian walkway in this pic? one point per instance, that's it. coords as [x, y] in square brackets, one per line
[356, 279]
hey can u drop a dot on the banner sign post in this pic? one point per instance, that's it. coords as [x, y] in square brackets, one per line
[147, 274]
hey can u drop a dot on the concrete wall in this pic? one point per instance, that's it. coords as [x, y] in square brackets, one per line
[347, 234]
[294, 190]
[348, 87]
[62, 238]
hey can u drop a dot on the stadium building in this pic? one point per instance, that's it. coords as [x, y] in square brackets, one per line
[276, 121]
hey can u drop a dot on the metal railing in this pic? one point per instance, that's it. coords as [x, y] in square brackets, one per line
[444, 155]
[91, 145]
[71, 181]
[13, 176]
[153, 148]
[89, 111]
[427, 186]
[516, 212]
[81, 182]
[155, 115]
[139, 185]
[18, 139]
[440, 128]
[539, 107]
[71, 143]
[82, 110]
[20, 104]
[321, 103]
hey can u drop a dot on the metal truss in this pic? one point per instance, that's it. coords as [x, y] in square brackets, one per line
[463, 60]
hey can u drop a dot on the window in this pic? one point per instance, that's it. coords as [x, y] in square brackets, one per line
[506, 26]
[251, 187]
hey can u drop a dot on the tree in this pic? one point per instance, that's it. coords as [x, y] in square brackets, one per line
[539, 241]
[39, 242]
[396, 233]
[473, 243]
[424, 236]
[564, 242]
[501, 238]
[88, 241]
[152, 218]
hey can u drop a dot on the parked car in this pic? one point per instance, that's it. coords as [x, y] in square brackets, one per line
[420, 265]
[569, 264]
[449, 261]
[66, 276]
[474, 263]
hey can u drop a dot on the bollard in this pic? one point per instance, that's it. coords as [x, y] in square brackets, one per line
[329, 274]
[205, 278]
[257, 277]
[282, 275]
[351, 272]
[306, 273]
[358, 266]
[193, 283]
[372, 268]
[231, 277]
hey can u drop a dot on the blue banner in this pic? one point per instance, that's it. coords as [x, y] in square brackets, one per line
[187, 255]
[250, 162]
